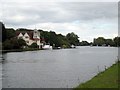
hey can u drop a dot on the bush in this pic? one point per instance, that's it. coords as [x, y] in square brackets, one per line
[34, 45]
[14, 43]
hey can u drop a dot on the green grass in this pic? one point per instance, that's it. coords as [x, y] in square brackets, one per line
[106, 79]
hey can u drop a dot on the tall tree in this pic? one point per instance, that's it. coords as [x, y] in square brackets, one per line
[84, 43]
[3, 34]
[117, 41]
[72, 38]
[10, 33]
[99, 41]
[109, 42]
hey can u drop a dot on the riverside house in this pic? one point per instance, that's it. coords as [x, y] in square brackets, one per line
[30, 37]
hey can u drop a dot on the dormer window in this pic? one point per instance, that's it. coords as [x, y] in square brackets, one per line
[26, 37]
[20, 37]
[27, 41]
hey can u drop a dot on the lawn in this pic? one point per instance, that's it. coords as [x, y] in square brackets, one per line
[106, 79]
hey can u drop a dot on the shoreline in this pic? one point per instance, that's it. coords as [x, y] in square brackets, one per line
[30, 49]
[19, 50]
[35, 49]
[105, 79]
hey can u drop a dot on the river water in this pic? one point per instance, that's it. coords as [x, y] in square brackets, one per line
[64, 68]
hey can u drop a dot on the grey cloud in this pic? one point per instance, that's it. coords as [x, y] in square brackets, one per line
[86, 11]
[57, 12]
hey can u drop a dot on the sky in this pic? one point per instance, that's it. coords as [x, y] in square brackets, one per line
[89, 19]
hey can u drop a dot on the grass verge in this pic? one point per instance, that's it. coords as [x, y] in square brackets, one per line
[106, 79]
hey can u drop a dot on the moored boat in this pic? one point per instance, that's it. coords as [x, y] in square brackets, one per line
[47, 47]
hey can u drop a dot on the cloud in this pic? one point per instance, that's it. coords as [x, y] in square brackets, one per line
[60, 12]
[87, 19]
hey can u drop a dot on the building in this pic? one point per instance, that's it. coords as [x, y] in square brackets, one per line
[30, 37]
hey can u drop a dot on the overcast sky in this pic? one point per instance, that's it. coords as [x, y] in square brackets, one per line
[87, 19]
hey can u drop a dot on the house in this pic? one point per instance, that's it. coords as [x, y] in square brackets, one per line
[30, 37]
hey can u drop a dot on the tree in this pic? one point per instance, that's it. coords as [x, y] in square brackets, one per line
[3, 30]
[53, 39]
[109, 42]
[84, 43]
[7, 45]
[21, 43]
[99, 41]
[10, 33]
[13, 43]
[117, 41]
[34, 45]
[72, 38]
[63, 41]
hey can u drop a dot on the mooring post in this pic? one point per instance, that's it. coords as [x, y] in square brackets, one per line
[98, 69]
[105, 67]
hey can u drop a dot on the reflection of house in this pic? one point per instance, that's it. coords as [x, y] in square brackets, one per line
[30, 37]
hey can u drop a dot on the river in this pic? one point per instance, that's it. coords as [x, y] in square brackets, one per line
[63, 68]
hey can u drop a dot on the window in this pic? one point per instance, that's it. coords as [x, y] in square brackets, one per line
[20, 37]
[26, 36]
[27, 41]
[35, 36]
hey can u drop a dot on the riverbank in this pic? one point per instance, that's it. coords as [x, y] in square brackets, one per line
[106, 79]
[20, 50]
[30, 49]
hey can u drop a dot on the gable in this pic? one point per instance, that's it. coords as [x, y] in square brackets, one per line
[20, 35]
[26, 35]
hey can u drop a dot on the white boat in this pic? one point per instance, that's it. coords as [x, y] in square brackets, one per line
[72, 46]
[47, 47]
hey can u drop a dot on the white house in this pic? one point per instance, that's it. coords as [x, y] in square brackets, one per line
[30, 37]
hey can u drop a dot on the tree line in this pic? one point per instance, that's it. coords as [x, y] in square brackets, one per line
[10, 41]
[101, 41]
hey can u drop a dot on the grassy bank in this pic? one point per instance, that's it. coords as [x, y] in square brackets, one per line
[106, 79]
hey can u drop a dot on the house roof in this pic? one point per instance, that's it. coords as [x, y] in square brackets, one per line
[30, 33]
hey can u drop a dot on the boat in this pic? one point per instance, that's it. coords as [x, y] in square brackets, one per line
[72, 46]
[47, 47]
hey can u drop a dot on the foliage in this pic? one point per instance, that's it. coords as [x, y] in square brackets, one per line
[99, 41]
[3, 32]
[117, 41]
[7, 45]
[55, 40]
[13, 43]
[109, 42]
[72, 38]
[34, 45]
[84, 43]
[22, 42]
[10, 33]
